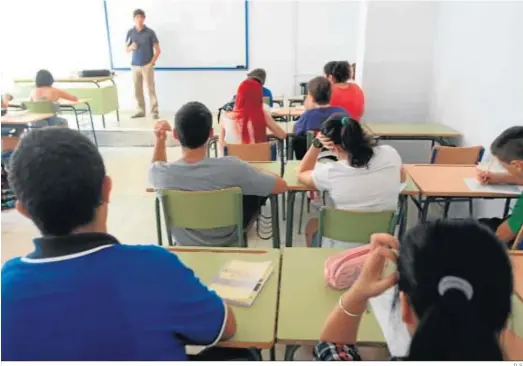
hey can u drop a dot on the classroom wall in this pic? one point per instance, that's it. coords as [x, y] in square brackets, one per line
[478, 75]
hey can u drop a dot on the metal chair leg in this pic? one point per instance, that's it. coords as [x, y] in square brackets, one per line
[300, 220]
[471, 207]
[446, 209]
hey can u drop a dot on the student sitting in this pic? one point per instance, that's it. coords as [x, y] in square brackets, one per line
[81, 295]
[508, 149]
[197, 172]
[366, 177]
[45, 91]
[318, 109]
[453, 308]
[248, 122]
[345, 93]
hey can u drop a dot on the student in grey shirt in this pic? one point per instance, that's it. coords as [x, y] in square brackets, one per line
[145, 48]
[197, 172]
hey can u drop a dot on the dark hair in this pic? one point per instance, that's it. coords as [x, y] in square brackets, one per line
[329, 66]
[348, 133]
[341, 71]
[258, 74]
[44, 78]
[509, 145]
[138, 12]
[193, 122]
[57, 174]
[452, 326]
[320, 89]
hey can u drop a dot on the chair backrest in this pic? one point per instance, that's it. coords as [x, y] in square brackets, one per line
[311, 135]
[519, 240]
[41, 107]
[9, 143]
[353, 226]
[251, 152]
[267, 100]
[457, 155]
[203, 210]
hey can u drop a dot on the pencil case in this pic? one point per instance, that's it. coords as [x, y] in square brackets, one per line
[341, 270]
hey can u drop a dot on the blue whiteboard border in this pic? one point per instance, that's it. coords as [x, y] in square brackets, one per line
[235, 68]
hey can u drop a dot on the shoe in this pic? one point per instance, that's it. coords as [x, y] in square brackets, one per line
[156, 116]
[138, 115]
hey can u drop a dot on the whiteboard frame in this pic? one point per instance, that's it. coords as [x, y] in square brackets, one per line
[209, 68]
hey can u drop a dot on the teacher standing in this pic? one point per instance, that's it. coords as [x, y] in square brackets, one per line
[144, 45]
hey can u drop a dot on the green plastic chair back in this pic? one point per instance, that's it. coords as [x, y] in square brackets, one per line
[41, 107]
[355, 227]
[203, 210]
[266, 100]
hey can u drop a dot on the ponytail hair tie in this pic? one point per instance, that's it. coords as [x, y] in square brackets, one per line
[344, 121]
[456, 283]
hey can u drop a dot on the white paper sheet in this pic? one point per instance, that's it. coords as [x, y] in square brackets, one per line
[475, 186]
[395, 332]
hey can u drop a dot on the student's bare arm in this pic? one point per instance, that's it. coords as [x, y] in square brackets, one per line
[157, 51]
[230, 325]
[65, 95]
[280, 185]
[504, 232]
[274, 127]
[160, 150]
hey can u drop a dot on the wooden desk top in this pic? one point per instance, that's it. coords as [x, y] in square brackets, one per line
[297, 98]
[411, 129]
[96, 79]
[287, 111]
[61, 102]
[446, 180]
[255, 324]
[24, 118]
[306, 301]
[516, 258]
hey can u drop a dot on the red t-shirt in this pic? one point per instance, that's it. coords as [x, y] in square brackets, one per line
[350, 98]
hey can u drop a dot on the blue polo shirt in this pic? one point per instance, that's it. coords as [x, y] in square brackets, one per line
[145, 40]
[313, 118]
[87, 298]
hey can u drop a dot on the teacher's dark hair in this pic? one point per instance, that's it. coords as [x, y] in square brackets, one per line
[193, 123]
[349, 134]
[44, 78]
[138, 12]
[452, 327]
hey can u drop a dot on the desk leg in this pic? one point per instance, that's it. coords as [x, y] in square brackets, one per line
[290, 351]
[291, 197]
[76, 118]
[507, 207]
[92, 124]
[425, 208]
[256, 354]
[404, 212]
[275, 221]
[289, 148]
[158, 220]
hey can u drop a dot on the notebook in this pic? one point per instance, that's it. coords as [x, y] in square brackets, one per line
[476, 186]
[239, 282]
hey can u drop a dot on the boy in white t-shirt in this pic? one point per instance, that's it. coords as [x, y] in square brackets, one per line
[366, 177]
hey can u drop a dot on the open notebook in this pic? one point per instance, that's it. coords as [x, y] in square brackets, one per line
[476, 186]
[239, 282]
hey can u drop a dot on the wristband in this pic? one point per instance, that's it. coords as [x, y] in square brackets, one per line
[340, 305]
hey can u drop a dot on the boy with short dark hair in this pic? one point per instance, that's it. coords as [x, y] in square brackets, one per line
[197, 172]
[508, 149]
[81, 295]
[318, 109]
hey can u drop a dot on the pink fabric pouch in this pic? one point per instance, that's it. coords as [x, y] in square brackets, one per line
[341, 270]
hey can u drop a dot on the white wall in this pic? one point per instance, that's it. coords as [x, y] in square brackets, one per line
[282, 34]
[478, 72]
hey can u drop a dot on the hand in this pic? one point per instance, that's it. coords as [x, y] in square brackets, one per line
[325, 141]
[161, 128]
[370, 282]
[486, 177]
[133, 46]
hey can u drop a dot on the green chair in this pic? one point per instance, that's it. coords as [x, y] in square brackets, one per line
[353, 226]
[202, 210]
[311, 135]
[41, 107]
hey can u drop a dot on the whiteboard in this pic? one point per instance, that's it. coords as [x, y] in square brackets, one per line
[193, 34]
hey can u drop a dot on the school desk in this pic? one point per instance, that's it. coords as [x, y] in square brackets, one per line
[436, 182]
[79, 107]
[295, 186]
[299, 99]
[306, 301]
[103, 96]
[433, 132]
[288, 112]
[512, 336]
[255, 324]
[23, 119]
[278, 100]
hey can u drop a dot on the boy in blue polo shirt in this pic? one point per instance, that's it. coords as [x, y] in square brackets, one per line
[81, 295]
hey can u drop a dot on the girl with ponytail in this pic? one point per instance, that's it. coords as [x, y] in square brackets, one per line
[365, 177]
[453, 307]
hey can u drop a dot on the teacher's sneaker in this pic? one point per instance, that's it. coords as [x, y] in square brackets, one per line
[138, 115]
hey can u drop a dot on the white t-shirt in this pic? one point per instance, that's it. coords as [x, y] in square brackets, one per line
[372, 188]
